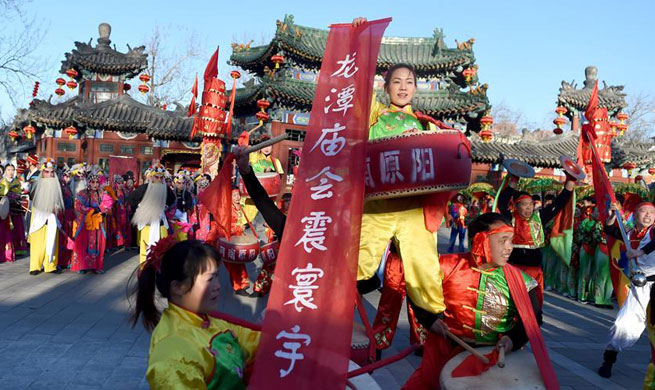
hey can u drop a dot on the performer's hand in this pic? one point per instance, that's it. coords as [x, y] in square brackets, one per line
[243, 160]
[359, 21]
[439, 327]
[506, 343]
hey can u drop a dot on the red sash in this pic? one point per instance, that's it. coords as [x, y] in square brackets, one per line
[524, 306]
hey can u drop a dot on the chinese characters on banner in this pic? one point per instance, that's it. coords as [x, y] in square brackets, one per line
[308, 326]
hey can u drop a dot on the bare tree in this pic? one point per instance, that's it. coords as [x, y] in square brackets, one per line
[507, 121]
[641, 117]
[169, 66]
[20, 36]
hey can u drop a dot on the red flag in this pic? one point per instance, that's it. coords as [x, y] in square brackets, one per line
[305, 342]
[473, 366]
[228, 129]
[194, 93]
[217, 198]
[211, 70]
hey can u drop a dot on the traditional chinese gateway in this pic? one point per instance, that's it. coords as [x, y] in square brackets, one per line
[100, 118]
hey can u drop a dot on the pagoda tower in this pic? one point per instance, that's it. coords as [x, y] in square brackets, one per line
[101, 119]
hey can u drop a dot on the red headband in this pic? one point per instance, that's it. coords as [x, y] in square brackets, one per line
[522, 197]
[644, 204]
[481, 248]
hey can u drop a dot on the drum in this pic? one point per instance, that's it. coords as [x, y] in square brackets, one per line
[268, 252]
[359, 345]
[4, 207]
[520, 373]
[417, 163]
[269, 180]
[239, 249]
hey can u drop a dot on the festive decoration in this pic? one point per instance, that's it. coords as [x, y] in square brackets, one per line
[144, 77]
[651, 171]
[277, 59]
[71, 131]
[638, 178]
[486, 134]
[621, 128]
[262, 116]
[29, 131]
[560, 120]
[468, 74]
[36, 89]
[235, 74]
[59, 91]
[561, 110]
[13, 135]
[629, 166]
[263, 104]
[613, 125]
[126, 87]
[143, 88]
[72, 73]
[71, 84]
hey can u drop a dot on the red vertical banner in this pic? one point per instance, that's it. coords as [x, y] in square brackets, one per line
[309, 318]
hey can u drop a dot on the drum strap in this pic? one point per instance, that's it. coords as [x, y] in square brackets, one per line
[523, 304]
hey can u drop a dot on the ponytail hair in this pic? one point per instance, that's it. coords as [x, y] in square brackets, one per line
[181, 263]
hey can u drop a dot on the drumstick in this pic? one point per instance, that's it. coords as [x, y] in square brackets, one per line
[501, 356]
[266, 143]
[467, 347]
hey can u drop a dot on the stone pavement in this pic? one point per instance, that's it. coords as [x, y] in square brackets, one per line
[71, 331]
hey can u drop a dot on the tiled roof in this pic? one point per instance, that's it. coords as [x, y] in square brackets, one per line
[120, 114]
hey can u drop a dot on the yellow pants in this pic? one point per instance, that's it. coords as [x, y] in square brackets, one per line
[143, 241]
[38, 258]
[402, 220]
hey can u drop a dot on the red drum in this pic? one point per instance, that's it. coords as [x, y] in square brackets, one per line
[269, 252]
[416, 163]
[240, 249]
[359, 345]
[270, 181]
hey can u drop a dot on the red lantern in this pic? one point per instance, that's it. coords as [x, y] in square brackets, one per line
[486, 121]
[71, 84]
[60, 81]
[561, 110]
[144, 77]
[629, 166]
[486, 135]
[13, 135]
[638, 178]
[71, 131]
[126, 87]
[622, 116]
[235, 74]
[277, 60]
[143, 88]
[468, 74]
[72, 73]
[558, 131]
[559, 121]
[262, 116]
[621, 127]
[59, 92]
[29, 131]
[651, 171]
[263, 104]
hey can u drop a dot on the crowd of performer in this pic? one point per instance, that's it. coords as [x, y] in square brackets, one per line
[490, 292]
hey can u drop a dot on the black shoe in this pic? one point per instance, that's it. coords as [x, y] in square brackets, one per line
[609, 358]
[243, 292]
[255, 294]
[35, 272]
[57, 271]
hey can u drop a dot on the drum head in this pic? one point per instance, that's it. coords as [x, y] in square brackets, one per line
[246, 239]
[572, 168]
[4, 207]
[518, 168]
[520, 373]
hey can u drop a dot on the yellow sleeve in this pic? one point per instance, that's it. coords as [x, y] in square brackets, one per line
[176, 364]
[4, 187]
[278, 166]
[248, 341]
[376, 109]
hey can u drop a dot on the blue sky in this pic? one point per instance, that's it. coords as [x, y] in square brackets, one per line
[524, 48]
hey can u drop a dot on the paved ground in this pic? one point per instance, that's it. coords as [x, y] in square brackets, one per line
[70, 331]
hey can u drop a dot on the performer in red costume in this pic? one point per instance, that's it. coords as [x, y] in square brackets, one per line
[471, 281]
[529, 224]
